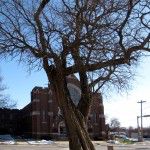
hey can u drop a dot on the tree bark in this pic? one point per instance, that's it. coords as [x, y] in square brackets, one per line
[77, 134]
[75, 122]
[85, 102]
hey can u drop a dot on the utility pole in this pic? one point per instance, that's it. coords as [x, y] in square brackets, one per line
[138, 128]
[141, 102]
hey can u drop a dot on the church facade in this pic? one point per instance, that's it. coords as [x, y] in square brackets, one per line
[42, 117]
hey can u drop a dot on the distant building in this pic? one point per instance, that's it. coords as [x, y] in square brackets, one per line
[42, 117]
[9, 121]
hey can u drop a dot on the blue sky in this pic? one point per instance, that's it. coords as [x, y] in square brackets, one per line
[20, 82]
[124, 106]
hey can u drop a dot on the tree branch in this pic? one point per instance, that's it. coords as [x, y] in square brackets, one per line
[39, 24]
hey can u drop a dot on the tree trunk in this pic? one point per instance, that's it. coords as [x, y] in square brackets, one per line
[86, 100]
[75, 123]
[74, 143]
[77, 133]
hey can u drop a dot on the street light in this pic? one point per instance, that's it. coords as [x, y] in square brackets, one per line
[146, 116]
[141, 102]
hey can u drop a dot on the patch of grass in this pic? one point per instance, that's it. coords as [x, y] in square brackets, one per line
[125, 141]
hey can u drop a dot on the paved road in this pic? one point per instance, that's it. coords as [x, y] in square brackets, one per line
[136, 146]
[64, 146]
[32, 147]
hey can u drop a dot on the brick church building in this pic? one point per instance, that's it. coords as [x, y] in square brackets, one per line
[42, 117]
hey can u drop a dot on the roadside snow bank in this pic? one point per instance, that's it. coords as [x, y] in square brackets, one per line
[6, 139]
[40, 142]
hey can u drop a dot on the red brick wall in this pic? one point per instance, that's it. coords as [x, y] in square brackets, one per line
[44, 112]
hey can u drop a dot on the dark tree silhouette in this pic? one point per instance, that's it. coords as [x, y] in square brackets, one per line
[96, 39]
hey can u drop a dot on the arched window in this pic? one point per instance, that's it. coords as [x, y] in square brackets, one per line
[75, 93]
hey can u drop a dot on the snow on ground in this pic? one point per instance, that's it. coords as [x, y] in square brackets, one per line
[6, 139]
[40, 142]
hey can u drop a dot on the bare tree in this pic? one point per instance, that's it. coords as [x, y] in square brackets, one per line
[100, 40]
[114, 124]
[5, 101]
